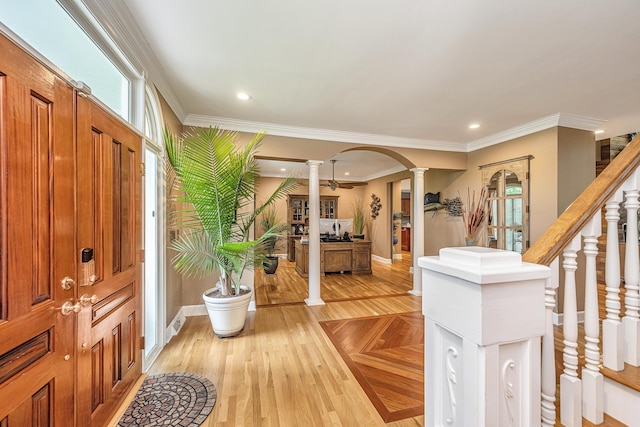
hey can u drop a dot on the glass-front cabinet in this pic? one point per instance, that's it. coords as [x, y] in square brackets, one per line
[508, 204]
[299, 209]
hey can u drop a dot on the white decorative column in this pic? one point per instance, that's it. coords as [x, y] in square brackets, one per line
[417, 227]
[314, 234]
[484, 316]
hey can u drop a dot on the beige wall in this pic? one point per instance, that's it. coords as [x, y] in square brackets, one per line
[574, 153]
[563, 165]
[174, 285]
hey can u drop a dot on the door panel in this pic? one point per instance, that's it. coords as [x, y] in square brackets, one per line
[37, 236]
[109, 223]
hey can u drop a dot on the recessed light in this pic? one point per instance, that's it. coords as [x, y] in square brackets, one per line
[474, 126]
[283, 170]
[599, 131]
[346, 173]
[243, 96]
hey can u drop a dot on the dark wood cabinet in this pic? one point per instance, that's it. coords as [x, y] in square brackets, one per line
[405, 239]
[405, 207]
[291, 246]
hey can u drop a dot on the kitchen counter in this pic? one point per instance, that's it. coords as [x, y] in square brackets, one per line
[336, 257]
[291, 245]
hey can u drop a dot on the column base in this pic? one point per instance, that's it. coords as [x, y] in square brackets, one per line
[314, 301]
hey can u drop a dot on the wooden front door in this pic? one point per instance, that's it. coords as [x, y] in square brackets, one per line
[109, 228]
[70, 248]
[37, 240]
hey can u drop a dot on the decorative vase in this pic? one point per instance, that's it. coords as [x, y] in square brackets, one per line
[227, 314]
[470, 241]
[271, 265]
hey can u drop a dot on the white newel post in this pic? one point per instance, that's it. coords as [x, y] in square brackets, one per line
[314, 234]
[484, 316]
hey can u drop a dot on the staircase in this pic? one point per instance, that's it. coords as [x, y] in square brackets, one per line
[594, 383]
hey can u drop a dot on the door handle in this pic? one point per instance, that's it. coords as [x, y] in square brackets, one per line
[86, 299]
[68, 307]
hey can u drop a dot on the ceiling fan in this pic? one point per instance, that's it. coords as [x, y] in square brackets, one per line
[333, 184]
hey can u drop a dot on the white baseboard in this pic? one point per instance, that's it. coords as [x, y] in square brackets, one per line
[557, 318]
[189, 311]
[174, 327]
[621, 402]
[194, 310]
[380, 259]
[411, 270]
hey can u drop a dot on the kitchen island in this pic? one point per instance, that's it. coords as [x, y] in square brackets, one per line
[336, 257]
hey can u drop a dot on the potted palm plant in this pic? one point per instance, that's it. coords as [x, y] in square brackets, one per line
[269, 220]
[217, 181]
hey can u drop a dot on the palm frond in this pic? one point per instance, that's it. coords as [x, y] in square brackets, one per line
[218, 180]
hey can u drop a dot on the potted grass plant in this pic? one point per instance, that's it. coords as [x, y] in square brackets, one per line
[359, 219]
[217, 180]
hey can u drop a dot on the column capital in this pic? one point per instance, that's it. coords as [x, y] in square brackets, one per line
[314, 162]
[419, 171]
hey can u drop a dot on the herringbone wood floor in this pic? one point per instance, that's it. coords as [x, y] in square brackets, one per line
[282, 370]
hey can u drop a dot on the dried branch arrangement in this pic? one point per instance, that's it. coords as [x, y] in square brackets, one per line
[474, 213]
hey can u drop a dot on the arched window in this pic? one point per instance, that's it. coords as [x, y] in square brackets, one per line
[508, 189]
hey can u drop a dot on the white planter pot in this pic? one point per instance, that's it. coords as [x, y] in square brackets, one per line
[227, 315]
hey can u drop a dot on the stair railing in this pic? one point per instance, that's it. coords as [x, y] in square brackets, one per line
[578, 229]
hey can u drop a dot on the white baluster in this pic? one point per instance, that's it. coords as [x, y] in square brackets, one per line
[548, 379]
[592, 379]
[631, 321]
[612, 333]
[570, 384]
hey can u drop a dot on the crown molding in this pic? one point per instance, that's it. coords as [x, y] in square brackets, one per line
[580, 122]
[554, 120]
[321, 134]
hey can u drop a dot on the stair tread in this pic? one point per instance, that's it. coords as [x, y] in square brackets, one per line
[608, 421]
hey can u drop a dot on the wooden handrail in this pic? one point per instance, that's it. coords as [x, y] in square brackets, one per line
[575, 217]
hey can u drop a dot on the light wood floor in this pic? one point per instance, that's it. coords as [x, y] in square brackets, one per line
[283, 370]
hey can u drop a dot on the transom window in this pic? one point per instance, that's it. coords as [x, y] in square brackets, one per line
[48, 28]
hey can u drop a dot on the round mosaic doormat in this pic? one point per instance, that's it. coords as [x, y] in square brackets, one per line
[176, 399]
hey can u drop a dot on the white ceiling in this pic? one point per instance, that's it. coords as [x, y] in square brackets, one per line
[407, 72]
